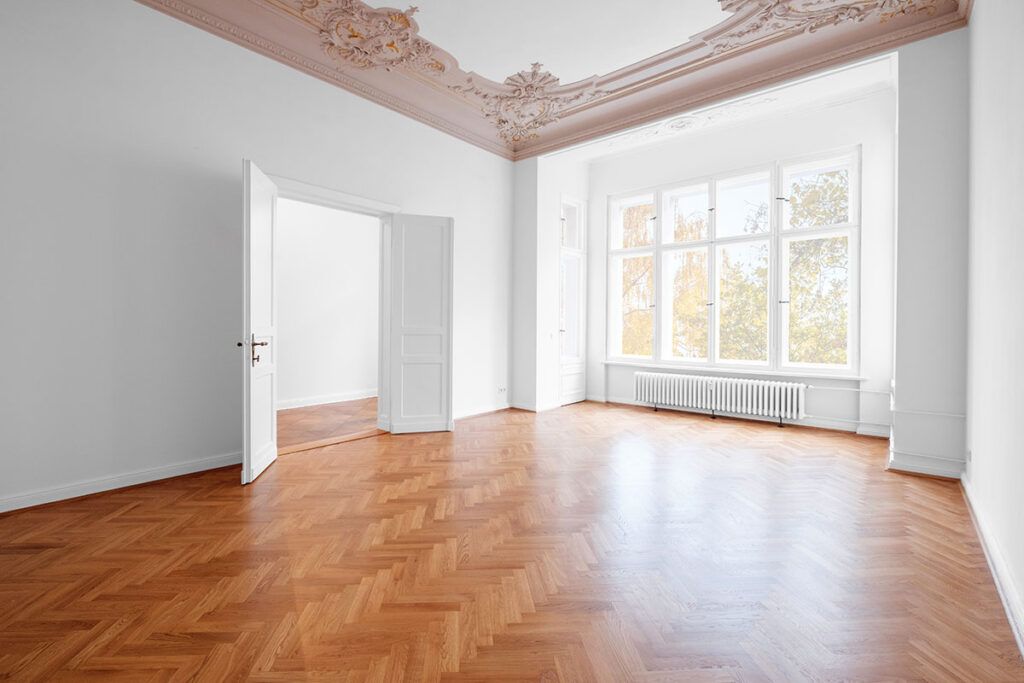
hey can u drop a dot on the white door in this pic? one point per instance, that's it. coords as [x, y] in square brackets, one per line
[260, 315]
[416, 312]
[572, 304]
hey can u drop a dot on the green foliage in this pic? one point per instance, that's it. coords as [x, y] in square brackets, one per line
[637, 225]
[819, 290]
[637, 299]
[820, 199]
[689, 303]
[743, 301]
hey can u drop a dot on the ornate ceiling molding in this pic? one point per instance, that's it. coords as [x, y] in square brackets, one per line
[378, 53]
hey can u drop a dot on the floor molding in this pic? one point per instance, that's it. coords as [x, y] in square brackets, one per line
[922, 463]
[1009, 592]
[101, 484]
[327, 398]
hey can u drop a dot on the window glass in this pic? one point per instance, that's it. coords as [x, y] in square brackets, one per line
[818, 279]
[741, 205]
[636, 305]
[685, 326]
[633, 223]
[817, 195]
[685, 214]
[742, 274]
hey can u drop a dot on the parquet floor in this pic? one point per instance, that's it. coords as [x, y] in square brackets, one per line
[589, 543]
[297, 426]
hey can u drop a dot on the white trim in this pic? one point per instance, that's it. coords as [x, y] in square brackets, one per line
[1009, 592]
[289, 188]
[98, 485]
[922, 463]
[481, 410]
[353, 395]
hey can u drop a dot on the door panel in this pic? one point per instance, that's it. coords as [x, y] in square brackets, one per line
[260, 323]
[420, 334]
[572, 304]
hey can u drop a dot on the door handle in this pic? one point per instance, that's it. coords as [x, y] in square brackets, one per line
[254, 344]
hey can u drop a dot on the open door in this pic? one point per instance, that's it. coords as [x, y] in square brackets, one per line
[416, 324]
[260, 318]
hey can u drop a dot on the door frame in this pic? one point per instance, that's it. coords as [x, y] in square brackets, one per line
[289, 188]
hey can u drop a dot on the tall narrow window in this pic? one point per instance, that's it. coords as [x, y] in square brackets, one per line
[742, 300]
[685, 325]
[632, 278]
[817, 319]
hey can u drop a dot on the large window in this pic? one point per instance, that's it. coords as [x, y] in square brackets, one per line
[750, 269]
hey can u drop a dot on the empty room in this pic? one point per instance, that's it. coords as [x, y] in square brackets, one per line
[511, 341]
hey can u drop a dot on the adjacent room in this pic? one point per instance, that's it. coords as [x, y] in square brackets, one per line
[328, 270]
[481, 341]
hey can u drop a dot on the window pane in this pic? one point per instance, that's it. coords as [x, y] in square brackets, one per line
[636, 278]
[742, 273]
[741, 205]
[818, 195]
[685, 326]
[819, 300]
[570, 226]
[686, 214]
[633, 222]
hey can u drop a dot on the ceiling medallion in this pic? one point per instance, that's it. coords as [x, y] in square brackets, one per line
[365, 37]
[789, 17]
[528, 101]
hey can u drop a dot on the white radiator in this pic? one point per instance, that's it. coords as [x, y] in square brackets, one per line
[721, 394]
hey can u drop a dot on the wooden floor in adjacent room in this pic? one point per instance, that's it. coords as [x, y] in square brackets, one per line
[312, 426]
[589, 543]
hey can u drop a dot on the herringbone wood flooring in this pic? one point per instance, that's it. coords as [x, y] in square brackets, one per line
[590, 543]
[296, 426]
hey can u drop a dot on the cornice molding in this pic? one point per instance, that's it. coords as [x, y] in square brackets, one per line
[378, 54]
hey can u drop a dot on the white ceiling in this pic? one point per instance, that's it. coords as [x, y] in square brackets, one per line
[573, 39]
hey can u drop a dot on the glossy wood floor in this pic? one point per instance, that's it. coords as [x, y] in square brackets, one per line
[590, 543]
[323, 423]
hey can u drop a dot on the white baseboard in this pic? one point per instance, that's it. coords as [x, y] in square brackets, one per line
[306, 401]
[100, 484]
[1009, 592]
[872, 429]
[921, 463]
[481, 410]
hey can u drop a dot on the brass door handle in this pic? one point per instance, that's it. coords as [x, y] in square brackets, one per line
[254, 344]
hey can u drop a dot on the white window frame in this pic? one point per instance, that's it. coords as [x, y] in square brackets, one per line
[777, 238]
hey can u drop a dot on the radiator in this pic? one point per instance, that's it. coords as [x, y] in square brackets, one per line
[721, 394]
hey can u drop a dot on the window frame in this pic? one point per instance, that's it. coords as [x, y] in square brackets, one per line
[777, 239]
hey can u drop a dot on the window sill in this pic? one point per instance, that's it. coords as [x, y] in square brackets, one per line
[732, 371]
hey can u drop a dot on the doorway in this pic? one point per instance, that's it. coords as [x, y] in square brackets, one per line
[414, 342]
[328, 270]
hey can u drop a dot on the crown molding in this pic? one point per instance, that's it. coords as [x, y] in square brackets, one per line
[378, 54]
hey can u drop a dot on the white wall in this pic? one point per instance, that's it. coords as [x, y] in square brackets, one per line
[524, 287]
[995, 388]
[122, 133]
[868, 121]
[931, 275]
[328, 265]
